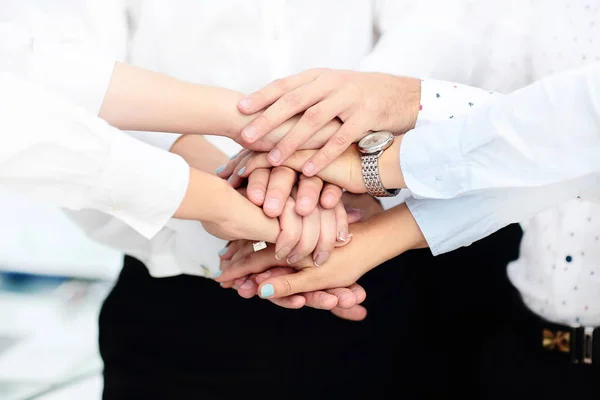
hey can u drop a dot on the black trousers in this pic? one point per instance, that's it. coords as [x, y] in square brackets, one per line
[185, 337]
[509, 363]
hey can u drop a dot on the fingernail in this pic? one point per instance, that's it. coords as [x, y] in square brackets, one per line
[294, 259]
[281, 254]
[249, 132]
[274, 156]
[321, 258]
[267, 291]
[246, 102]
[241, 171]
[343, 234]
[230, 179]
[220, 169]
[304, 202]
[223, 251]
[309, 168]
[222, 284]
[272, 204]
[233, 157]
[246, 285]
[217, 274]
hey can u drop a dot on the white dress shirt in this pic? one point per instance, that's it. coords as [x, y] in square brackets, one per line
[515, 154]
[236, 44]
[56, 150]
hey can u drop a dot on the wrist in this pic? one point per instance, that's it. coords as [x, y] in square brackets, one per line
[404, 102]
[198, 201]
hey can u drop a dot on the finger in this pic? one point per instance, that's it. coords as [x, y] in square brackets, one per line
[227, 285]
[346, 298]
[288, 105]
[307, 198]
[287, 285]
[330, 195]
[274, 90]
[295, 162]
[321, 300]
[236, 178]
[356, 313]
[311, 228]
[280, 186]
[227, 252]
[359, 292]
[294, 301]
[258, 181]
[341, 221]
[291, 231]
[335, 146]
[327, 237]
[245, 249]
[251, 263]
[226, 170]
[247, 289]
[322, 110]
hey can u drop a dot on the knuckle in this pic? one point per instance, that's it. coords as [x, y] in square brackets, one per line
[291, 99]
[279, 85]
[339, 139]
[286, 286]
[313, 116]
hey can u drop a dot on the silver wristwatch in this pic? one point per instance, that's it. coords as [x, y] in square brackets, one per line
[371, 147]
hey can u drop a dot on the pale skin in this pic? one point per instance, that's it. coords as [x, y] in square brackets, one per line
[142, 100]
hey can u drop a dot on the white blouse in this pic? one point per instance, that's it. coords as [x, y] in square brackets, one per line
[54, 147]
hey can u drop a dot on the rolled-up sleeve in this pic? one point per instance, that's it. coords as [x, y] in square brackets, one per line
[60, 153]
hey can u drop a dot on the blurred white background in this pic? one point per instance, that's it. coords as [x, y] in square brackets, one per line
[52, 282]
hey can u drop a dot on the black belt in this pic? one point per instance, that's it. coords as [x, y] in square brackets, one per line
[559, 343]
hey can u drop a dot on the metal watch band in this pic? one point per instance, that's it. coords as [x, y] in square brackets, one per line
[370, 172]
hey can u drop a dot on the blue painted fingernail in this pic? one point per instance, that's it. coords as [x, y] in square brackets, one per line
[241, 171]
[267, 291]
[223, 251]
[230, 179]
[233, 156]
[220, 169]
[217, 274]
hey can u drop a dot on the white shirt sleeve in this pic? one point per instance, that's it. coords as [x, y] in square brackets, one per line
[60, 153]
[51, 46]
[474, 213]
[543, 134]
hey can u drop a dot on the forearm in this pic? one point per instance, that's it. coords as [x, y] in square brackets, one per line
[138, 99]
[387, 235]
[199, 153]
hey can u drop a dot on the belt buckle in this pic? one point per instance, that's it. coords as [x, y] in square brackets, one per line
[576, 341]
[588, 343]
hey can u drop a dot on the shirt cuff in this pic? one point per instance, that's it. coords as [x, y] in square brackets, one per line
[441, 101]
[450, 224]
[142, 185]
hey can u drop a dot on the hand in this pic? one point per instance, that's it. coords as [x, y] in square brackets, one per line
[342, 302]
[374, 242]
[363, 101]
[345, 171]
[270, 187]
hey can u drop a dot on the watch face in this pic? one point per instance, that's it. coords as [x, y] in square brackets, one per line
[375, 141]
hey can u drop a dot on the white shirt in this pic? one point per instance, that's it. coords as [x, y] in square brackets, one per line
[520, 154]
[54, 149]
[216, 43]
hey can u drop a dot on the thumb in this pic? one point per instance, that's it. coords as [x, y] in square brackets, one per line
[286, 285]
